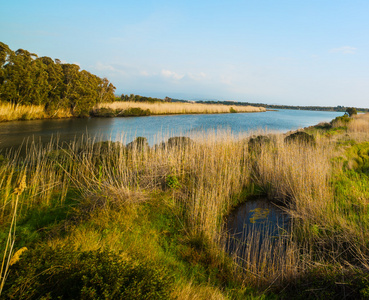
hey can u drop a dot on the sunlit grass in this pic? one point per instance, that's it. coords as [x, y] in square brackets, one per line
[13, 112]
[167, 203]
[159, 108]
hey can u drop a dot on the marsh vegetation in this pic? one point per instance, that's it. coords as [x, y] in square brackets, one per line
[106, 219]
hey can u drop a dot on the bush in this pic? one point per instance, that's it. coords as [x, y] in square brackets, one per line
[134, 112]
[139, 143]
[256, 143]
[300, 137]
[177, 141]
[351, 111]
[65, 273]
[232, 110]
[104, 112]
[172, 182]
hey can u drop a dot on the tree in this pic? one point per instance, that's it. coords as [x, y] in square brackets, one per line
[27, 79]
[351, 111]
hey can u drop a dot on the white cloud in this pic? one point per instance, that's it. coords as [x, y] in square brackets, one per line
[102, 67]
[197, 76]
[171, 74]
[144, 73]
[344, 50]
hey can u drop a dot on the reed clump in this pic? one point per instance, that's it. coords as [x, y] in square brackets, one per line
[167, 204]
[14, 112]
[11, 112]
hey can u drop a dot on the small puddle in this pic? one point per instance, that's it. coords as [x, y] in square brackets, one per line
[255, 227]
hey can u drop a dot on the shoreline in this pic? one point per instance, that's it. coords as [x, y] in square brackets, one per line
[10, 112]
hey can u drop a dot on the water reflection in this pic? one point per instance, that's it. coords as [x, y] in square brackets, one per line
[257, 227]
[155, 128]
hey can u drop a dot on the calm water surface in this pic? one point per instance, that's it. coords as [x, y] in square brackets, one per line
[256, 221]
[12, 134]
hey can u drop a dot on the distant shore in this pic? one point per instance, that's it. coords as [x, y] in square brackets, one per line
[11, 112]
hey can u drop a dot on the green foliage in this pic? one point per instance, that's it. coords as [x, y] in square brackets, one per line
[172, 182]
[232, 110]
[27, 79]
[138, 98]
[300, 137]
[134, 112]
[139, 143]
[257, 143]
[65, 273]
[178, 141]
[105, 112]
[351, 111]
[329, 282]
[345, 119]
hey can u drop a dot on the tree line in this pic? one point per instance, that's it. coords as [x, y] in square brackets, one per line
[26, 79]
[138, 98]
[338, 108]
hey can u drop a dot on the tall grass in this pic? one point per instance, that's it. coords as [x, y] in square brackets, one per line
[206, 176]
[13, 112]
[159, 108]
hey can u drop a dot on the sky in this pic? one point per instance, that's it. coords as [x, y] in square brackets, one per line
[292, 52]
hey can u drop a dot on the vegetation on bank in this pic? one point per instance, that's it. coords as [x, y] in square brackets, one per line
[338, 108]
[33, 87]
[101, 219]
[116, 109]
[26, 79]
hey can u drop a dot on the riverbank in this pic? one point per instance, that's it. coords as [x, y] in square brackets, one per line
[12, 112]
[113, 219]
[127, 108]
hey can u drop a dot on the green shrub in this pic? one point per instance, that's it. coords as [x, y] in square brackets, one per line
[65, 273]
[300, 137]
[257, 143]
[139, 143]
[104, 112]
[172, 182]
[232, 110]
[344, 119]
[134, 112]
[177, 141]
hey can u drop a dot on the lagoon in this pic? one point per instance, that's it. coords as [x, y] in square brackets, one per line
[155, 128]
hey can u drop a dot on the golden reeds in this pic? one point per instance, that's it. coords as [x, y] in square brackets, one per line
[13, 112]
[211, 171]
[159, 108]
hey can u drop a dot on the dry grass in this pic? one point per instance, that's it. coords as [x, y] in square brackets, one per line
[159, 108]
[13, 112]
[190, 291]
[359, 123]
[210, 172]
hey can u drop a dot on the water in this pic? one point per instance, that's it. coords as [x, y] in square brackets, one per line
[257, 226]
[12, 134]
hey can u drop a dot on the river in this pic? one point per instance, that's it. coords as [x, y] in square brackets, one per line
[155, 128]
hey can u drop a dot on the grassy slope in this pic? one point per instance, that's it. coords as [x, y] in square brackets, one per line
[106, 220]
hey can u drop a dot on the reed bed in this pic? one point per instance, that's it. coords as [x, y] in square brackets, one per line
[159, 108]
[11, 112]
[14, 112]
[205, 176]
[359, 123]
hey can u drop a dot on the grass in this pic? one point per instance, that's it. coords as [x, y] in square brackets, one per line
[14, 112]
[141, 211]
[158, 108]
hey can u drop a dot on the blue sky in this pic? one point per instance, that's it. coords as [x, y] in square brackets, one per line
[313, 52]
